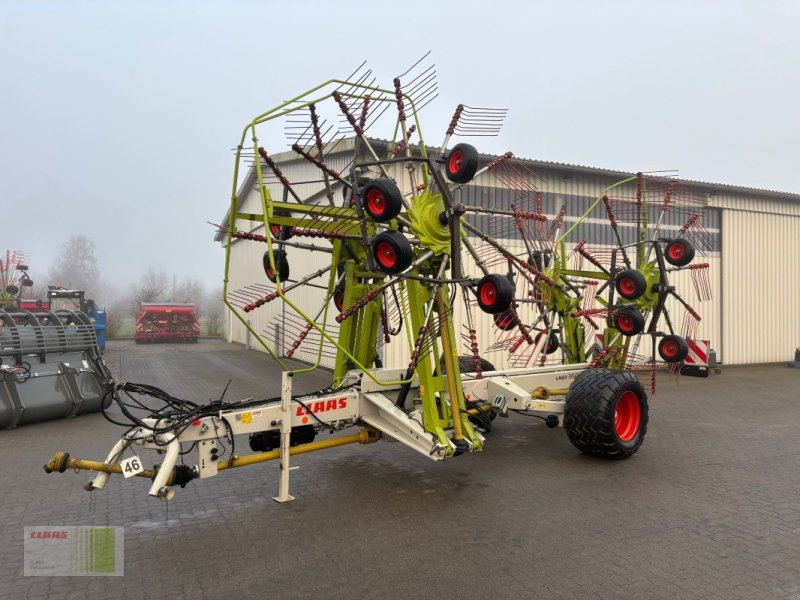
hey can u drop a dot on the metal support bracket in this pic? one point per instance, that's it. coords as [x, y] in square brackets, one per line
[381, 413]
[286, 432]
[69, 377]
[207, 458]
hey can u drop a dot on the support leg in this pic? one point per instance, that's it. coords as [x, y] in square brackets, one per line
[286, 432]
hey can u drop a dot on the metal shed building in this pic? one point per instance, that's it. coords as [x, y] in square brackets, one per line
[751, 242]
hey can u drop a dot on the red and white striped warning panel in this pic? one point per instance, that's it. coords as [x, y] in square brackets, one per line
[698, 352]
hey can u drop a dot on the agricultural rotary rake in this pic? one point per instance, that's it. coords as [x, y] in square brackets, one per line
[409, 260]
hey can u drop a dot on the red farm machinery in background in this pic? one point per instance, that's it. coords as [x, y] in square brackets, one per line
[167, 322]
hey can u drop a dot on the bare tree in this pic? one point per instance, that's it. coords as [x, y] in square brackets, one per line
[189, 290]
[153, 286]
[76, 265]
[115, 319]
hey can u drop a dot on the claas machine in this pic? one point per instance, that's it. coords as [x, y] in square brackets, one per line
[410, 260]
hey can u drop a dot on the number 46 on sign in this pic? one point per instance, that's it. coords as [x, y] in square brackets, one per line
[131, 466]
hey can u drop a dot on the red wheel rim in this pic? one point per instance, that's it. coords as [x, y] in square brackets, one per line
[626, 323]
[627, 416]
[627, 286]
[275, 229]
[456, 160]
[488, 294]
[270, 273]
[376, 203]
[338, 301]
[386, 255]
[669, 349]
[676, 251]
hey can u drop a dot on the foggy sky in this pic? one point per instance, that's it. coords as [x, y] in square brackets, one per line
[117, 119]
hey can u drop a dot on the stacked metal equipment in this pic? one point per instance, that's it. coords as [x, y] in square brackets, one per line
[50, 366]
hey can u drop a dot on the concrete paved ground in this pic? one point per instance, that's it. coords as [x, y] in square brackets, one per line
[707, 509]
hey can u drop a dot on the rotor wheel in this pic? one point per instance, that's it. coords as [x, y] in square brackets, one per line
[552, 341]
[506, 320]
[631, 284]
[382, 200]
[629, 321]
[606, 413]
[539, 259]
[679, 253]
[673, 348]
[495, 294]
[392, 252]
[466, 364]
[462, 163]
[338, 298]
[281, 264]
[280, 232]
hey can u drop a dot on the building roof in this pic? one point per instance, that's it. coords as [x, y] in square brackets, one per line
[535, 162]
[348, 144]
[738, 189]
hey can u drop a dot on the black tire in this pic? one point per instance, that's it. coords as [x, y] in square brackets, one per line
[539, 259]
[280, 232]
[631, 284]
[281, 264]
[466, 364]
[679, 253]
[552, 341]
[673, 348]
[605, 413]
[12, 289]
[338, 298]
[381, 199]
[462, 163]
[495, 294]
[629, 321]
[392, 251]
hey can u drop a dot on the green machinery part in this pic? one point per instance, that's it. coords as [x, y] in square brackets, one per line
[431, 275]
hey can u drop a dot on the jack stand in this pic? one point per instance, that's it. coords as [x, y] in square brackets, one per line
[286, 432]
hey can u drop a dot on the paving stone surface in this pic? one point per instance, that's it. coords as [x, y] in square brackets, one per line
[708, 508]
